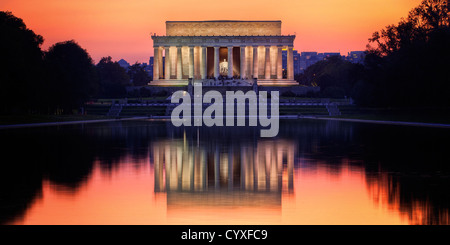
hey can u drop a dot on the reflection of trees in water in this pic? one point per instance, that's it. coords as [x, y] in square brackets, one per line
[63, 155]
[416, 163]
[414, 196]
[406, 167]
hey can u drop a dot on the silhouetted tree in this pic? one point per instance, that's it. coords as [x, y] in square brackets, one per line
[426, 18]
[20, 65]
[113, 78]
[72, 79]
[138, 75]
[408, 64]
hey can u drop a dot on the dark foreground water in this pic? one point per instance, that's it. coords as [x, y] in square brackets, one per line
[149, 172]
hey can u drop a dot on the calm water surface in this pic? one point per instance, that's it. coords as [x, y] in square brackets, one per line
[149, 172]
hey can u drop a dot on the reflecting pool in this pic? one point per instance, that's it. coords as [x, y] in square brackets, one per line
[149, 172]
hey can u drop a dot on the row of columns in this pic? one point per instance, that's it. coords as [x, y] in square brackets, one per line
[254, 68]
[181, 167]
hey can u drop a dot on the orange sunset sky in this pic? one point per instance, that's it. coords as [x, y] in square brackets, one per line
[121, 28]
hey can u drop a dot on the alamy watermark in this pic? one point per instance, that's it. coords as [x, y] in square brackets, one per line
[257, 109]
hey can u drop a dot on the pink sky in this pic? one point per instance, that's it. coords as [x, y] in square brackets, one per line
[121, 28]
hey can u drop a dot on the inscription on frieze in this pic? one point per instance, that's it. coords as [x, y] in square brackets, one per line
[210, 41]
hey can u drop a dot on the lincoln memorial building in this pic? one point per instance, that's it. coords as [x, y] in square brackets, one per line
[209, 51]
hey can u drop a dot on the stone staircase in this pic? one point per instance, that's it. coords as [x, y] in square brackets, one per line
[169, 109]
[333, 109]
[115, 110]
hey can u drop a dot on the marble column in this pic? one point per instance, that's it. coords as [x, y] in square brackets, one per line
[230, 61]
[255, 62]
[249, 62]
[191, 62]
[156, 63]
[243, 61]
[216, 62]
[179, 64]
[203, 64]
[167, 66]
[197, 59]
[290, 63]
[267, 63]
[279, 62]
[160, 62]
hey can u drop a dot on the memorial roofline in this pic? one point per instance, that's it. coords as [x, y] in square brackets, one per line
[223, 21]
[154, 35]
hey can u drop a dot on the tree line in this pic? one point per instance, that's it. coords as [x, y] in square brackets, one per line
[406, 64]
[59, 80]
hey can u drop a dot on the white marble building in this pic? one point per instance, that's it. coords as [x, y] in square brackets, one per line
[204, 50]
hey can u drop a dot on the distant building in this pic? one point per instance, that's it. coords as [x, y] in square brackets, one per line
[150, 67]
[123, 63]
[147, 68]
[296, 62]
[307, 59]
[356, 56]
[327, 55]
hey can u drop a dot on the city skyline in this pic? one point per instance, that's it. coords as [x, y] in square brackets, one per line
[122, 29]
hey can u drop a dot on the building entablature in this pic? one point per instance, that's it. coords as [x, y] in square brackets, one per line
[223, 41]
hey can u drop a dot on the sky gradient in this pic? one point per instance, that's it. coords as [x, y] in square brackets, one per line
[121, 28]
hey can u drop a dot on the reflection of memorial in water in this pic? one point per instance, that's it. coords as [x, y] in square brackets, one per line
[248, 174]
